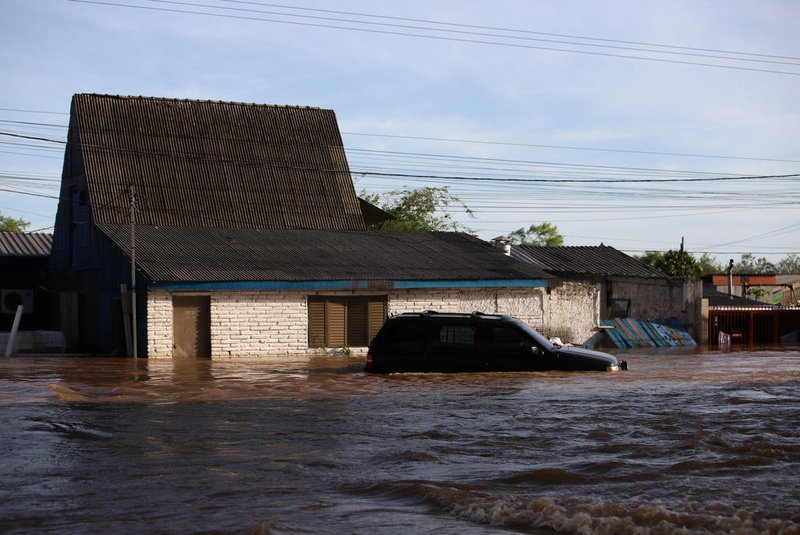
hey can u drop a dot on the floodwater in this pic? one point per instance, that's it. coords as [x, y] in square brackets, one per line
[699, 442]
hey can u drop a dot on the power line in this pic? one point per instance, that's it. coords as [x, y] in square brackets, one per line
[515, 30]
[507, 35]
[405, 175]
[567, 147]
[473, 142]
[35, 111]
[427, 36]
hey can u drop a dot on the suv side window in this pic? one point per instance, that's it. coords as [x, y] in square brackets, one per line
[457, 334]
[405, 335]
[508, 338]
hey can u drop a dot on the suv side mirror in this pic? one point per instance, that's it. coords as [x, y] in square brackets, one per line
[535, 351]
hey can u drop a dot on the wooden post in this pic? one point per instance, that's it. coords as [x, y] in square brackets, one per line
[126, 317]
[134, 336]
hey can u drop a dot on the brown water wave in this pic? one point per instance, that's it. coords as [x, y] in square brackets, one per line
[583, 515]
[681, 443]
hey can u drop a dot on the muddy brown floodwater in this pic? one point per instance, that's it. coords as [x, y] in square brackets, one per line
[700, 442]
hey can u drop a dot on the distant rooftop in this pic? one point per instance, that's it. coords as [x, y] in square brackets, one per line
[585, 260]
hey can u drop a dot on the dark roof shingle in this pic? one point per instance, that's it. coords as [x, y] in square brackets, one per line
[215, 255]
[25, 244]
[585, 260]
[198, 163]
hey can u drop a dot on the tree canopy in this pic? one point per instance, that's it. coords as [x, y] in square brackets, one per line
[678, 263]
[419, 209]
[684, 264]
[536, 235]
[9, 224]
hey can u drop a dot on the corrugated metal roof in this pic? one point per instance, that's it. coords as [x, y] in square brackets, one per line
[585, 260]
[211, 255]
[25, 244]
[200, 163]
[717, 299]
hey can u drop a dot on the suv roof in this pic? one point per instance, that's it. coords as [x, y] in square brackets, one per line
[464, 315]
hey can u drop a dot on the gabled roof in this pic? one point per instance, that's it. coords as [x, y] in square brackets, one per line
[585, 260]
[25, 244]
[200, 163]
[170, 254]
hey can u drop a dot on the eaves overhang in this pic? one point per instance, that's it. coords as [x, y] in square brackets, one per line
[322, 285]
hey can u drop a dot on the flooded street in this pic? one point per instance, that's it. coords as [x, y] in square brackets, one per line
[689, 443]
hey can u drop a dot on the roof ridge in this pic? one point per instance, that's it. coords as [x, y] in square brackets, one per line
[206, 100]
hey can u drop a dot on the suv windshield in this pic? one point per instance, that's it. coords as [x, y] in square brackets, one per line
[540, 340]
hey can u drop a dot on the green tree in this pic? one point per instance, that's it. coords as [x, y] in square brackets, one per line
[9, 224]
[709, 266]
[536, 235]
[419, 209]
[789, 265]
[680, 264]
[750, 264]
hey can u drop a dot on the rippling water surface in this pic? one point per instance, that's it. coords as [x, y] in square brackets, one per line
[680, 443]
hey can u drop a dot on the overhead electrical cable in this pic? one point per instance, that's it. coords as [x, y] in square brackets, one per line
[404, 175]
[428, 36]
[483, 142]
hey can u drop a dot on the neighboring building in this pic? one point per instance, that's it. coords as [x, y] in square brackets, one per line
[600, 282]
[25, 281]
[249, 237]
[771, 289]
[733, 319]
[24, 275]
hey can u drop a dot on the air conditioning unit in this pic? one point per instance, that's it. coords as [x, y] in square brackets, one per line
[10, 299]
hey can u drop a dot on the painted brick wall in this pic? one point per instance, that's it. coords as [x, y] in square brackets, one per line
[573, 313]
[159, 324]
[258, 324]
[243, 324]
[526, 304]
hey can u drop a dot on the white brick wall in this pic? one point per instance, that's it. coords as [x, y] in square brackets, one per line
[525, 303]
[260, 323]
[573, 312]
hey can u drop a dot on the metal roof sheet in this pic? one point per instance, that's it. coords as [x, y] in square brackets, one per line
[585, 260]
[717, 299]
[199, 163]
[213, 255]
[25, 243]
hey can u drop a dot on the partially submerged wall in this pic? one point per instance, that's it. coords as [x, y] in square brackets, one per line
[275, 323]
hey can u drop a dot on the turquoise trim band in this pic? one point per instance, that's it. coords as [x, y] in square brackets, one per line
[346, 285]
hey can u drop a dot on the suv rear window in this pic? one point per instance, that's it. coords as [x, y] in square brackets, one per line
[457, 334]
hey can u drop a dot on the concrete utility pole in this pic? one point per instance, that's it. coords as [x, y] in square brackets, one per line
[730, 279]
[133, 272]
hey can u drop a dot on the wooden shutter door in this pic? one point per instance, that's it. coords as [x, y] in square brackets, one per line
[316, 322]
[336, 322]
[356, 322]
[376, 316]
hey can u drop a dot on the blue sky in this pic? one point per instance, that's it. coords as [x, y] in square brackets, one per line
[524, 109]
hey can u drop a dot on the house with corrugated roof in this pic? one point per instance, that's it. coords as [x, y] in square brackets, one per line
[597, 283]
[240, 230]
[24, 275]
[25, 289]
[733, 318]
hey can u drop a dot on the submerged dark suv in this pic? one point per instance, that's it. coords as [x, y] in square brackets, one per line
[448, 342]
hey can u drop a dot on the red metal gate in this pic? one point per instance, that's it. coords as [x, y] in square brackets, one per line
[753, 326]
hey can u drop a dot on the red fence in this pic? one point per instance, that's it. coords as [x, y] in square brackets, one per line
[753, 326]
